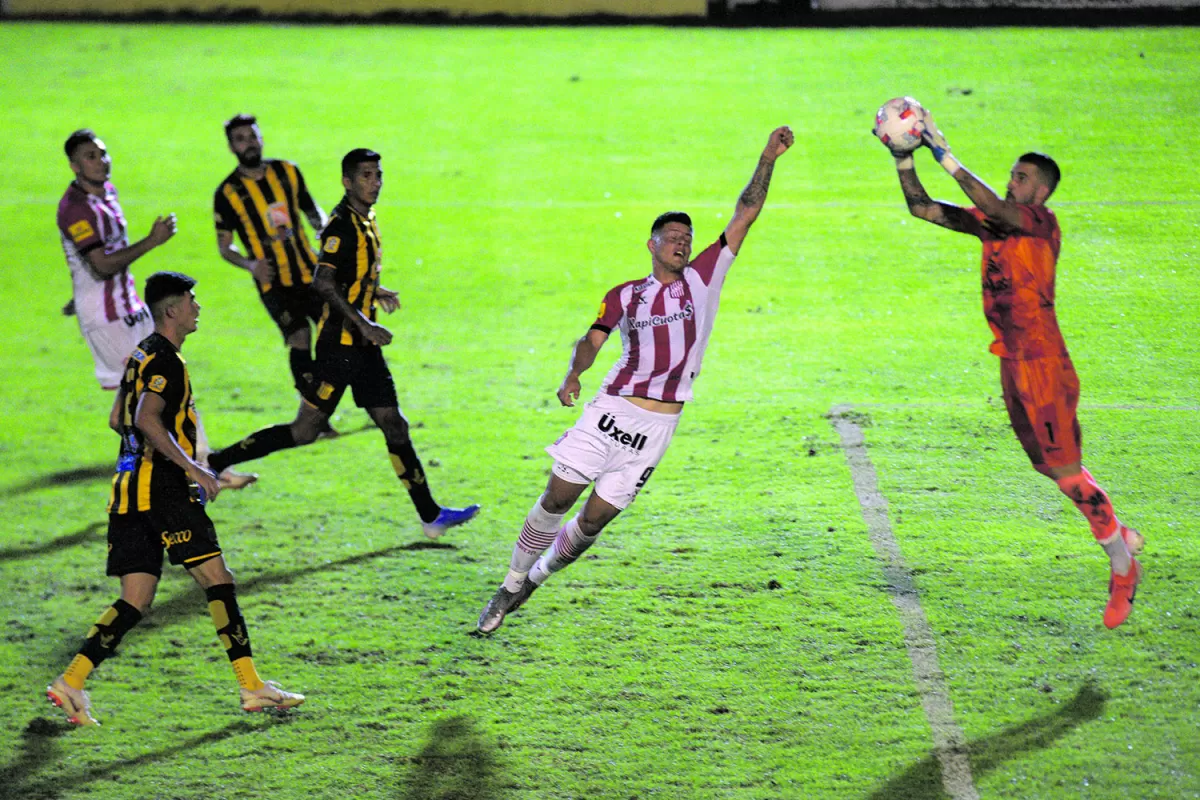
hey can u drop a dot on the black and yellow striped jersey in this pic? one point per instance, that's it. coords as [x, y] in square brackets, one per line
[156, 366]
[265, 213]
[350, 247]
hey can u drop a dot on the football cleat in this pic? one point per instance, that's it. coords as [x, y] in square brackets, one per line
[1121, 591]
[527, 588]
[270, 696]
[448, 518]
[229, 479]
[502, 602]
[75, 702]
[326, 432]
[1134, 541]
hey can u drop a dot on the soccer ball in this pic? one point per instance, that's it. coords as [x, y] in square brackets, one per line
[899, 124]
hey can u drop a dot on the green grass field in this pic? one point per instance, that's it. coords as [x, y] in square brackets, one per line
[523, 167]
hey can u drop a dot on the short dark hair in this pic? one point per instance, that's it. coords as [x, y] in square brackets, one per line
[162, 286]
[1046, 165]
[77, 138]
[670, 216]
[359, 155]
[240, 121]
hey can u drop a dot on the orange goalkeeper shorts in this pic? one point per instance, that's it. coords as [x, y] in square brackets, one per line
[1041, 396]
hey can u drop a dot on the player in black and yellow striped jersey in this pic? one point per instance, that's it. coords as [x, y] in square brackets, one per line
[158, 496]
[349, 347]
[262, 202]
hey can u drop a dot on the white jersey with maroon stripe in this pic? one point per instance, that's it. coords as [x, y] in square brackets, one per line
[87, 222]
[664, 328]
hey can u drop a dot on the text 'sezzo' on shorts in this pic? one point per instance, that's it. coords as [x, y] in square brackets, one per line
[615, 444]
[112, 343]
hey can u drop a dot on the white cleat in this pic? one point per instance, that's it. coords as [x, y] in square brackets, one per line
[270, 696]
[74, 702]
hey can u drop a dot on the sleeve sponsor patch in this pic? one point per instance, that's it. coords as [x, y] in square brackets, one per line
[81, 230]
[603, 308]
[332, 243]
[157, 384]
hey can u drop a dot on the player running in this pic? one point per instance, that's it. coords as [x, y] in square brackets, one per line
[349, 351]
[157, 504]
[665, 320]
[1021, 241]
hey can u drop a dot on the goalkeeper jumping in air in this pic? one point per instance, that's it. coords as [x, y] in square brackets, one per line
[1021, 241]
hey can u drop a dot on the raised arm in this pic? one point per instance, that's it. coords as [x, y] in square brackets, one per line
[108, 264]
[1004, 213]
[751, 201]
[582, 357]
[921, 206]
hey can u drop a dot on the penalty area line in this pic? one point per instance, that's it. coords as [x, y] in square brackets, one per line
[949, 741]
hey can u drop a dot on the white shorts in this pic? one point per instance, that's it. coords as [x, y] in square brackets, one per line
[616, 444]
[112, 343]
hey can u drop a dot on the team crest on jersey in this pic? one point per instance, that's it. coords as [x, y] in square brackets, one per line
[332, 244]
[676, 289]
[157, 383]
[81, 230]
[325, 391]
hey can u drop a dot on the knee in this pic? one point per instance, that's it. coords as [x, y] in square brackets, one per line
[395, 429]
[555, 505]
[591, 524]
[305, 431]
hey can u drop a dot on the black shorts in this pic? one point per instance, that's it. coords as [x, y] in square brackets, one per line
[361, 367]
[292, 307]
[179, 525]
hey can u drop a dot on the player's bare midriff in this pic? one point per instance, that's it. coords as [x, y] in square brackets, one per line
[659, 406]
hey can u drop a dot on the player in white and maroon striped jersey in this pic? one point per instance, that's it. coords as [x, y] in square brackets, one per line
[111, 316]
[665, 321]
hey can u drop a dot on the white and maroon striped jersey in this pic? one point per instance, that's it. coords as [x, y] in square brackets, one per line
[664, 328]
[86, 222]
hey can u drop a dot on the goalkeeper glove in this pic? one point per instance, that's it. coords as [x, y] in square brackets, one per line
[936, 142]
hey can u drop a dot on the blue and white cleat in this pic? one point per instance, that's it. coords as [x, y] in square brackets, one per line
[448, 518]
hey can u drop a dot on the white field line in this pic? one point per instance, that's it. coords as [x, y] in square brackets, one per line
[949, 742]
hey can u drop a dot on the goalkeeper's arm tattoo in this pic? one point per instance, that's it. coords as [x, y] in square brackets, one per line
[922, 206]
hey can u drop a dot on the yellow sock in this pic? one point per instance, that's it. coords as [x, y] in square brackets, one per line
[77, 672]
[247, 675]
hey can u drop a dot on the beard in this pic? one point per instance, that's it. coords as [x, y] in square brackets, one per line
[250, 160]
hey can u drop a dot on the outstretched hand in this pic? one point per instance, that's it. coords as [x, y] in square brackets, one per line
[780, 140]
[935, 140]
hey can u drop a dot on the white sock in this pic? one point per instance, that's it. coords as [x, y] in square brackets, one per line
[538, 533]
[568, 546]
[1118, 553]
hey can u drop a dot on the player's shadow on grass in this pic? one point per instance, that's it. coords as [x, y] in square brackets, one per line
[190, 603]
[923, 781]
[61, 543]
[67, 477]
[457, 763]
[19, 779]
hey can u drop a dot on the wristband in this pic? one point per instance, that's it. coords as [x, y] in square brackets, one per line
[904, 162]
[950, 164]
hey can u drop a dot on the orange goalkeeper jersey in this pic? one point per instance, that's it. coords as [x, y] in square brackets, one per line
[1018, 284]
